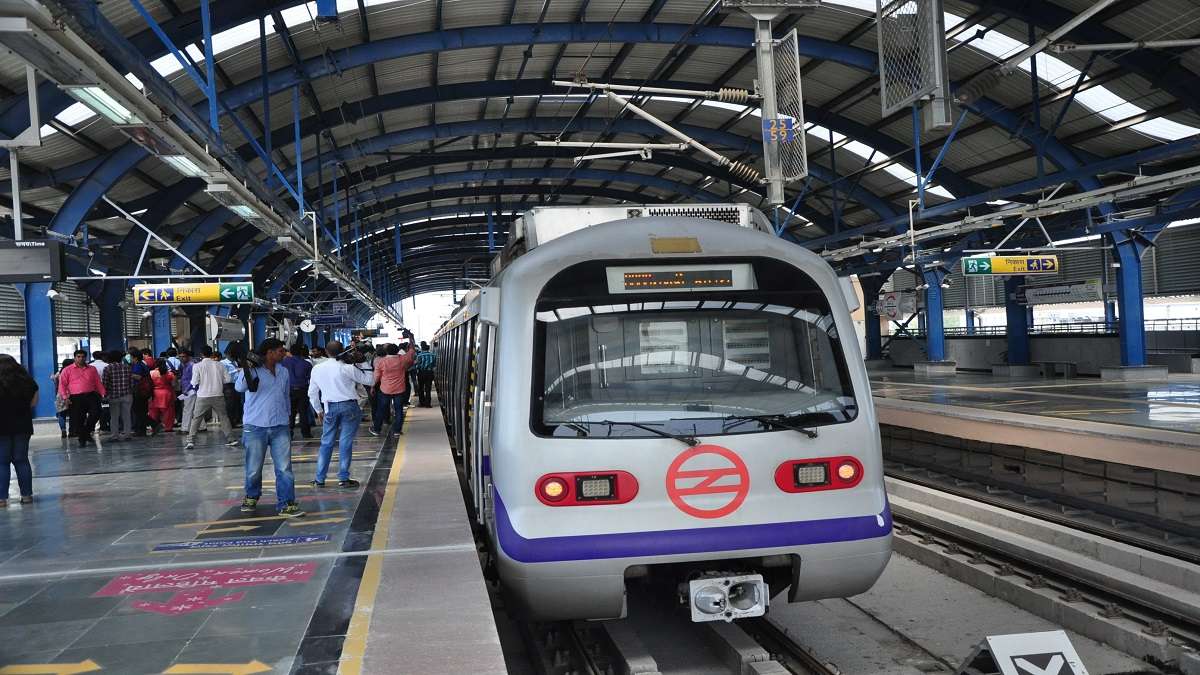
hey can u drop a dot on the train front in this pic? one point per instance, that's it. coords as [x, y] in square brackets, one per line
[681, 407]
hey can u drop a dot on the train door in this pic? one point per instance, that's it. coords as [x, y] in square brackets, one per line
[480, 470]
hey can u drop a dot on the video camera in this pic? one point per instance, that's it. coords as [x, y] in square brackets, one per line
[352, 355]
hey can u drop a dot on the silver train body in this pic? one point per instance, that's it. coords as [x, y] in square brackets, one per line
[596, 359]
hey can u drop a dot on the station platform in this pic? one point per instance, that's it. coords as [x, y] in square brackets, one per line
[1148, 425]
[134, 558]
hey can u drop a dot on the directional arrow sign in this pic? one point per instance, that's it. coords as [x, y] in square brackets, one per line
[1012, 265]
[218, 668]
[193, 294]
[51, 668]
[236, 528]
[304, 523]
[255, 519]
[188, 602]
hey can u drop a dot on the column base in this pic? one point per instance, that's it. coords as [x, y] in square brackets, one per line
[1134, 373]
[935, 368]
[1012, 370]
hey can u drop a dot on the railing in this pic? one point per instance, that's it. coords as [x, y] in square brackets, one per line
[1162, 335]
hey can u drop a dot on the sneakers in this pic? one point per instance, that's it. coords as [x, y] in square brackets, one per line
[249, 504]
[316, 483]
[373, 432]
[64, 433]
[291, 511]
[233, 443]
[190, 444]
[351, 483]
[27, 499]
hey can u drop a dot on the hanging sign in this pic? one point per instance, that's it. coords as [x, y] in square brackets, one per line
[1083, 291]
[1011, 264]
[896, 304]
[194, 294]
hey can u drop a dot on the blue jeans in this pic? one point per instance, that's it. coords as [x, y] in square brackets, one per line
[14, 450]
[341, 422]
[396, 401]
[279, 440]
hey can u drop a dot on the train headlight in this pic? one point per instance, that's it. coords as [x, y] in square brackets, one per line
[847, 471]
[810, 475]
[554, 489]
[595, 487]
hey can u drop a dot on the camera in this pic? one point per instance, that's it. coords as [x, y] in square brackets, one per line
[353, 356]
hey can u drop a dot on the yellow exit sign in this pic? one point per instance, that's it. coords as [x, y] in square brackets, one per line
[1011, 264]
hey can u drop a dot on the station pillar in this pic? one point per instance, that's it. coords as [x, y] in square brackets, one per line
[1110, 315]
[1132, 327]
[1016, 324]
[871, 286]
[197, 320]
[308, 339]
[970, 319]
[112, 317]
[935, 332]
[258, 329]
[161, 318]
[40, 352]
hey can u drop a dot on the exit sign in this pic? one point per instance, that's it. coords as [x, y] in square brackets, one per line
[1011, 265]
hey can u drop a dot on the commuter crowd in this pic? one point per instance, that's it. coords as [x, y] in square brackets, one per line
[266, 392]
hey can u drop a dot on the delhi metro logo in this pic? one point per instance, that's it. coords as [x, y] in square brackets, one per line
[708, 481]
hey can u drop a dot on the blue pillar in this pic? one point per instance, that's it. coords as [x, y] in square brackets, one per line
[162, 329]
[259, 330]
[1129, 301]
[112, 317]
[1017, 323]
[1110, 315]
[873, 334]
[199, 331]
[41, 353]
[935, 336]
[970, 317]
[308, 339]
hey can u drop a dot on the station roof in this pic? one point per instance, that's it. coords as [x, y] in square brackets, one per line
[421, 115]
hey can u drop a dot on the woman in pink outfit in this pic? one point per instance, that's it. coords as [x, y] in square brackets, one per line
[162, 401]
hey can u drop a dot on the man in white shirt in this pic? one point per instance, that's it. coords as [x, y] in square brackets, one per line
[333, 394]
[209, 378]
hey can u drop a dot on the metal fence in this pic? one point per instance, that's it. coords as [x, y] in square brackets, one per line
[789, 97]
[909, 38]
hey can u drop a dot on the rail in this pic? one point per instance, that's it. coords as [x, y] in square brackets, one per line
[1172, 325]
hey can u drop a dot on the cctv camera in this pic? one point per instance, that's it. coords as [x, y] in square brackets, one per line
[52, 294]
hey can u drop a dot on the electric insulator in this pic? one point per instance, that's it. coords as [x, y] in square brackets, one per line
[745, 172]
[731, 95]
[979, 86]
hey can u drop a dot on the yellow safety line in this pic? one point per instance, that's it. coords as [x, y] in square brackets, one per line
[354, 648]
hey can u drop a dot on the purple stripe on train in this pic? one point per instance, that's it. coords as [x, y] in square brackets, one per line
[677, 542]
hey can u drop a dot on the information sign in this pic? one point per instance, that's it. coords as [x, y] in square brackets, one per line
[194, 294]
[1083, 291]
[1011, 265]
[339, 308]
[31, 261]
[329, 320]
[780, 130]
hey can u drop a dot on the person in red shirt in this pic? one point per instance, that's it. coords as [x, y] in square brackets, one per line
[391, 382]
[80, 384]
[162, 403]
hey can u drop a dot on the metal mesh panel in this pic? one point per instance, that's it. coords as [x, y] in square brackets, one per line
[789, 98]
[910, 46]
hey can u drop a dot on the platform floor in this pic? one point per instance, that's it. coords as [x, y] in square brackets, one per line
[135, 558]
[1170, 406]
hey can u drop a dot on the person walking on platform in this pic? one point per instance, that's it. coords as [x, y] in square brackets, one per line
[118, 382]
[209, 378]
[299, 370]
[234, 354]
[267, 388]
[18, 396]
[143, 388]
[62, 406]
[186, 391]
[331, 391]
[426, 366]
[80, 383]
[162, 401]
[98, 362]
[391, 384]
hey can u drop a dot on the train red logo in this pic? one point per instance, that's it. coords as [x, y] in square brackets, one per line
[699, 481]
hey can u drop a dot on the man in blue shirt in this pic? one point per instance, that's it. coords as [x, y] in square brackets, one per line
[265, 425]
[299, 368]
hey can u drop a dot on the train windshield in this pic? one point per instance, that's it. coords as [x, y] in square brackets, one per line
[702, 364]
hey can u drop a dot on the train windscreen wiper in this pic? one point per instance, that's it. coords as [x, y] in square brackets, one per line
[682, 438]
[779, 421]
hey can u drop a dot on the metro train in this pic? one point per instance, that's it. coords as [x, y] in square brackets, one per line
[666, 396]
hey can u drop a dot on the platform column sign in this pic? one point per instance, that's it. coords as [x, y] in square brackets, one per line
[1009, 265]
[236, 293]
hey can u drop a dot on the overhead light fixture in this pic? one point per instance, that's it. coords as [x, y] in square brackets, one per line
[244, 211]
[104, 104]
[28, 43]
[184, 165]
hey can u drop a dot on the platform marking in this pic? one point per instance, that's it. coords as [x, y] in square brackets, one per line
[235, 528]
[305, 522]
[51, 668]
[241, 542]
[218, 668]
[186, 603]
[254, 519]
[198, 578]
[354, 648]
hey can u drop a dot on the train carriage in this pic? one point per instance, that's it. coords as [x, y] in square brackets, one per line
[665, 394]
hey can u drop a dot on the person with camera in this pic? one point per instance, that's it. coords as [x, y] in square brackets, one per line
[209, 379]
[266, 384]
[332, 392]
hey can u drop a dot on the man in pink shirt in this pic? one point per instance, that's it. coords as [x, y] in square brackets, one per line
[80, 384]
[391, 380]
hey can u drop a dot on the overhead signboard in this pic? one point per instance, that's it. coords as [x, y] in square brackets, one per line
[194, 294]
[329, 320]
[339, 308]
[896, 304]
[1090, 290]
[1011, 265]
[31, 262]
